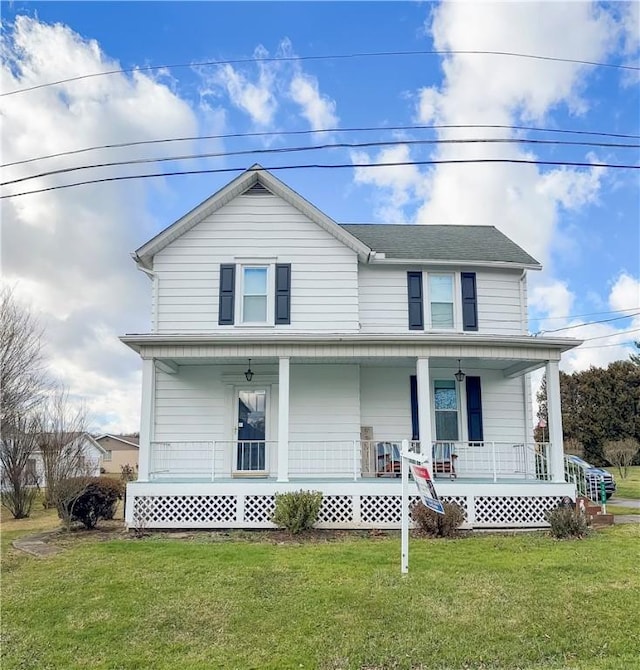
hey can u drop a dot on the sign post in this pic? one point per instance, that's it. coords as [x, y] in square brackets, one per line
[427, 492]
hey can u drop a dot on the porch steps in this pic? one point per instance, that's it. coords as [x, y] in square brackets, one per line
[593, 512]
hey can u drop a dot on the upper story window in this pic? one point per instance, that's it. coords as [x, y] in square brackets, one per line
[448, 300]
[441, 300]
[255, 294]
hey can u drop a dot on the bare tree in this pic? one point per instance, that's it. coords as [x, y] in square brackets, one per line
[19, 480]
[23, 377]
[61, 442]
[23, 383]
[621, 453]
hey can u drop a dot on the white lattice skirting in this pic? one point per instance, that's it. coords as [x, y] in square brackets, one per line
[364, 506]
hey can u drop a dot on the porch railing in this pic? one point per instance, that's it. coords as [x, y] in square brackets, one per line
[345, 459]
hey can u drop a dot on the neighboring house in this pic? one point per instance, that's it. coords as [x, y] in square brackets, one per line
[290, 352]
[88, 462]
[119, 451]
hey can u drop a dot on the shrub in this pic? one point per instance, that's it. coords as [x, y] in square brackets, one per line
[297, 511]
[567, 522]
[438, 525]
[88, 499]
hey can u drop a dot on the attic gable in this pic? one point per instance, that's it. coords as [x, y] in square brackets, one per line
[254, 181]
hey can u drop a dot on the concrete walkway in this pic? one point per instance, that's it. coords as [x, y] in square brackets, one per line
[37, 544]
[624, 502]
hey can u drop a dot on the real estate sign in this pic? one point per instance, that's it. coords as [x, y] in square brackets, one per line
[426, 488]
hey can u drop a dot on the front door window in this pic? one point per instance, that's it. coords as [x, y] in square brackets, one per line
[251, 446]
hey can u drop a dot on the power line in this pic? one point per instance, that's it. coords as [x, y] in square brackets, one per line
[601, 337]
[319, 147]
[323, 166]
[580, 325]
[578, 316]
[626, 343]
[276, 133]
[281, 59]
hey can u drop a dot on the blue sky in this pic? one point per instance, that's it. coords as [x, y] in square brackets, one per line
[68, 250]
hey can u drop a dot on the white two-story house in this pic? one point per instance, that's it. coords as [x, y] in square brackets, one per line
[290, 352]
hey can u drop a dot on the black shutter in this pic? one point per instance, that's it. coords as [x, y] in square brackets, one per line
[474, 409]
[469, 301]
[226, 302]
[415, 424]
[283, 293]
[414, 290]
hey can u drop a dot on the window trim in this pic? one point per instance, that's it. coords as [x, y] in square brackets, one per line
[459, 410]
[456, 301]
[257, 263]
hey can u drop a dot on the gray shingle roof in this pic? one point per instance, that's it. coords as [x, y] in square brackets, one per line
[441, 243]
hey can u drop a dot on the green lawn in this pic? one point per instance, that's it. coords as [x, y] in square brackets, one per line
[629, 487]
[486, 601]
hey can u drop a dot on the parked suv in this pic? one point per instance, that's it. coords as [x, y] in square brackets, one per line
[592, 478]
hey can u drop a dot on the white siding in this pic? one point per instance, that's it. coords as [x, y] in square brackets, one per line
[383, 300]
[503, 408]
[385, 402]
[325, 402]
[324, 293]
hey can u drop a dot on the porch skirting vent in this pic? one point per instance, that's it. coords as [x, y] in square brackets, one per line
[338, 511]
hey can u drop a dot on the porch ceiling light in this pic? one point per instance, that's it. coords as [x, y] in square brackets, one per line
[249, 373]
[459, 375]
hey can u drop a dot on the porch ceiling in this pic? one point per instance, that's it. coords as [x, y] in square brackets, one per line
[514, 366]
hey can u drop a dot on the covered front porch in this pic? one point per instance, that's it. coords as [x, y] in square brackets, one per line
[229, 425]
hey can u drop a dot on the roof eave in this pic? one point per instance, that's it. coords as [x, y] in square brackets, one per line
[453, 262]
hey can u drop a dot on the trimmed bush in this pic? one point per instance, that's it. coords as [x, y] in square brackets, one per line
[88, 499]
[567, 522]
[297, 511]
[438, 525]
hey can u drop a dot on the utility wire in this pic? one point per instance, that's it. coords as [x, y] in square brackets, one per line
[281, 59]
[601, 337]
[626, 343]
[324, 166]
[322, 130]
[319, 147]
[590, 323]
[578, 316]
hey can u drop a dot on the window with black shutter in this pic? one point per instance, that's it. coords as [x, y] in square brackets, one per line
[283, 293]
[474, 409]
[416, 308]
[226, 301]
[469, 301]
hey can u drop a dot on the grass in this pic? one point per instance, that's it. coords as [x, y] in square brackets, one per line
[218, 601]
[629, 487]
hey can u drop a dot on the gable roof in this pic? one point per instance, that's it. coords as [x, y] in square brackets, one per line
[256, 174]
[449, 243]
[128, 442]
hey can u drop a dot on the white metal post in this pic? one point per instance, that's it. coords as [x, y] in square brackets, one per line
[355, 460]
[423, 384]
[146, 418]
[213, 461]
[554, 422]
[493, 458]
[283, 420]
[404, 542]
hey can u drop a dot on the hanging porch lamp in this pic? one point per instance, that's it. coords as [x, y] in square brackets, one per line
[459, 375]
[249, 373]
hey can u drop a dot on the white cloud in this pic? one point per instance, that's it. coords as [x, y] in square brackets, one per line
[68, 250]
[318, 109]
[256, 98]
[396, 186]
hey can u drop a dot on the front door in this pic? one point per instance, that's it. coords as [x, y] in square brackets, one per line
[251, 453]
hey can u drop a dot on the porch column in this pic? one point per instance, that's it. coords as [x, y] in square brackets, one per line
[146, 418]
[554, 422]
[423, 383]
[283, 420]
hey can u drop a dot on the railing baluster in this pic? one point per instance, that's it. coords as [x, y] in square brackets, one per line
[493, 456]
